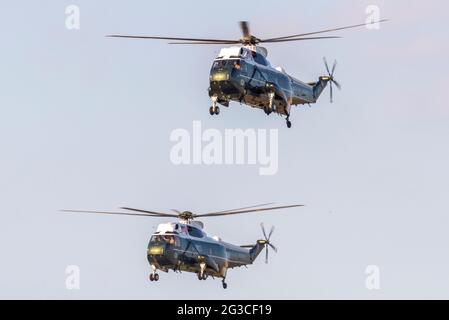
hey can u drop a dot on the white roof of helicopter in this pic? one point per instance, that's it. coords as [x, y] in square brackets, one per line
[179, 228]
[227, 53]
[170, 227]
[235, 52]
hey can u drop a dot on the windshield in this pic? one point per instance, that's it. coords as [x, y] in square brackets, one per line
[260, 59]
[194, 232]
[225, 64]
[169, 239]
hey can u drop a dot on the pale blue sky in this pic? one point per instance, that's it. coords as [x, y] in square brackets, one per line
[85, 123]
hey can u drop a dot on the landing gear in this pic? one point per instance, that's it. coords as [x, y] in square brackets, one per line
[224, 272]
[267, 110]
[289, 124]
[154, 277]
[203, 276]
[214, 109]
[270, 103]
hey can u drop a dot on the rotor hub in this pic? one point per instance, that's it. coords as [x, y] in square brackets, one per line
[250, 40]
[186, 215]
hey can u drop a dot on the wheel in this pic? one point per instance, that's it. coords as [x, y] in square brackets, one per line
[204, 277]
[199, 276]
[151, 277]
[217, 110]
[156, 277]
[289, 124]
[267, 110]
[211, 111]
[225, 285]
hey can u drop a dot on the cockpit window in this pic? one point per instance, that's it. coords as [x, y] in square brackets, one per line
[168, 239]
[225, 64]
[260, 59]
[194, 232]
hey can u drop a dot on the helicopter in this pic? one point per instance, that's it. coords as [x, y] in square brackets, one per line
[243, 74]
[183, 245]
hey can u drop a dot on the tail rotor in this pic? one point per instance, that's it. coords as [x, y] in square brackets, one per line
[330, 78]
[267, 242]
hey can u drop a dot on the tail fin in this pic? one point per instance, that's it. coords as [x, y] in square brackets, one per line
[261, 244]
[256, 250]
[319, 86]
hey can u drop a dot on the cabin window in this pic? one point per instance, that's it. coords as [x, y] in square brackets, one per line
[260, 59]
[259, 75]
[157, 239]
[194, 232]
[283, 82]
[169, 239]
[243, 53]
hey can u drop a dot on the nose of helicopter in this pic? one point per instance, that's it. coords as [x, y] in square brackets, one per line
[225, 84]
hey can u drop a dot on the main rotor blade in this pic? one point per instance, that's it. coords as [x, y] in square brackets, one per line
[205, 42]
[161, 214]
[113, 213]
[168, 38]
[298, 39]
[247, 211]
[244, 25]
[273, 247]
[327, 30]
[244, 208]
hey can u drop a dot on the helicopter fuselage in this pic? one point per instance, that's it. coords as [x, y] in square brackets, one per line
[187, 248]
[242, 75]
